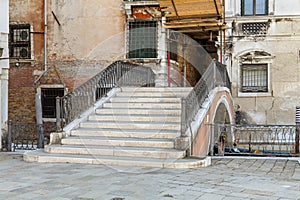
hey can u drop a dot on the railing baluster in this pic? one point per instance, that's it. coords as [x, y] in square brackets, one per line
[117, 74]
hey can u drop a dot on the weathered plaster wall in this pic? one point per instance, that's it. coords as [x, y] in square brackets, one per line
[282, 41]
[90, 36]
[32, 12]
[90, 29]
[279, 107]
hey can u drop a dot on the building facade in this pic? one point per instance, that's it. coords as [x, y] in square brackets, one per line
[4, 66]
[55, 46]
[262, 56]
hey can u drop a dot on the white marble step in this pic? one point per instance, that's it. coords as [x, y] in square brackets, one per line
[159, 134]
[139, 111]
[143, 105]
[43, 157]
[130, 99]
[115, 151]
[126, 142]
[131, 125]
[134, 118]
[150, 94]
[156, 89]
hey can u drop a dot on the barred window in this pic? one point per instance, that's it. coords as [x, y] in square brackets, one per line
[254, 78]
[254, 7]
[142, 39]
[19, 41]
[48, 96]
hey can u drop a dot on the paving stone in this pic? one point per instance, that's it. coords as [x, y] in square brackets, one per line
[241, 178]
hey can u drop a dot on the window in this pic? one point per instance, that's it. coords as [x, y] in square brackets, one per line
[19, 41]
[254, 78]
[254, 7]
[142, 39]
[48, 96]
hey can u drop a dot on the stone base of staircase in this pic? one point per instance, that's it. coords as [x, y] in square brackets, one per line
[137, 127]
[43, 157]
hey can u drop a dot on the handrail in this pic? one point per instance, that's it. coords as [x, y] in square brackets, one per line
[70, 106]
[215, 75]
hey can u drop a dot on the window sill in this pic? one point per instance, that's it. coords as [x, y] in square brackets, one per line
[254, 94]
[49, 119]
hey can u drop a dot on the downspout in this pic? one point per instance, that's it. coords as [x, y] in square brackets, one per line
[45, 33]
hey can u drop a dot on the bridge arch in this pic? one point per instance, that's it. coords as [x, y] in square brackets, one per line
[219, 108]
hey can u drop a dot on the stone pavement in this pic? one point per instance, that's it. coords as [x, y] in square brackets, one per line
[227, 178]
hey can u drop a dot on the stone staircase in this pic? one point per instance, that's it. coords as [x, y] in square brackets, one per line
[137, 127]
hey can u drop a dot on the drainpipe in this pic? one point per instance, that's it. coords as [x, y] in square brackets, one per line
[297, 136]
[45, 33]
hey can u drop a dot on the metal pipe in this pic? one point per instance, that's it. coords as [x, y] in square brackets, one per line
[297, 130]
[45, 33]
[183, 117]
[58, 115]
[9, 137]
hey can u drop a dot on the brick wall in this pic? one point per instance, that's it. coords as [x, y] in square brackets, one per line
[21, 98]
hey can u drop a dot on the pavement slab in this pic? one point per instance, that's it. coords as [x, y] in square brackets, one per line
[225, 179]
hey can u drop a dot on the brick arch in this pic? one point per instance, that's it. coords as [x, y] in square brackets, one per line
[201, 142]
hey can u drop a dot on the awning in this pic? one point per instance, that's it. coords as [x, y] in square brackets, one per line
[198, 17]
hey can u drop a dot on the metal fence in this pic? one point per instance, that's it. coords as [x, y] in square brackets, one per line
[26, 136]
[264, 140]
[117, 74]
[215, 75]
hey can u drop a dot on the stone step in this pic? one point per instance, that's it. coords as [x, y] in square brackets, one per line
[131, 125]
[156, 89]
[139, 111]
[43, 157]
[135, 118]
[161, 134]
[149, 94]
[115, 151]
[130, 99]
[121, 142]
[144, 105]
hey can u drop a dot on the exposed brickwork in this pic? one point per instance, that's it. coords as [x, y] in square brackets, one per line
[21, 98]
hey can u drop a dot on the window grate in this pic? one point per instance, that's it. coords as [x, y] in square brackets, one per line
[255, 28]
[143, 39]
[49, 101]
[19, 41]
[255, 78]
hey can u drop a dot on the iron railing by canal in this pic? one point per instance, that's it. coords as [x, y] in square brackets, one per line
[263, 140]
[215, 75]
[117, 74]
[22, 136]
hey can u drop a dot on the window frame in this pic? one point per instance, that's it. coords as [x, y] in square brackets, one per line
[267, 93]
[258, 76]
[254, 8]
[129, 36]
[39, 91]
[15, 42]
